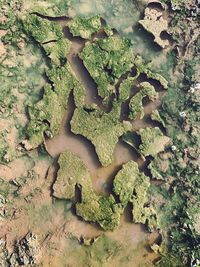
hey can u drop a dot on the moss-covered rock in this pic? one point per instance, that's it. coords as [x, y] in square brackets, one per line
[106, 60]
[146, 68]
[84, 27]
[152, 141]
[95, 126]
[45, 117]
[42, 30]
[135, 104]
[57, 51]
[124, 182]
[72, 172]
[125, 89]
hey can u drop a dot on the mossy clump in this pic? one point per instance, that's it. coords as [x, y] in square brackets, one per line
[93, 208]
[45, 117]
[106, 60]
[57, 51]
[49, 35]
[62, 79]
[130, 185]
[135, 104]
[84, 27]
[42, 30]
[155, 116]
[146, 68]
[124, 182]
[95, 126]
[99, 209]
[125, 89]
[152, 141]
[72, 172]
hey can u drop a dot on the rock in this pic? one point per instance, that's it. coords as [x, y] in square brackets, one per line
[155, 24]
[3, 253]
[26, 251]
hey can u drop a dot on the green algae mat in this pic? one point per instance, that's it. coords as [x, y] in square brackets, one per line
[94, 87]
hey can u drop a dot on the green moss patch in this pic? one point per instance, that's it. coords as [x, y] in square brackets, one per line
[106, 60]
[95, 126]
[152, 141]
[135, 104]
[84, 27]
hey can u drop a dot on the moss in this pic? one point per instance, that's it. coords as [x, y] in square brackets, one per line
[143, 67]
[125, 89]
[63, 82]
[140, 213]
[99, 209]
[42, 30]
[152, 141]
[72, 172]
[106, 60]
[46, 116]
[154, 170]
[124, 182]
[108, 30]
[57, 51]
[135, 104]
[79, 94]
[155, 116]
[84, 27]
[96, 125]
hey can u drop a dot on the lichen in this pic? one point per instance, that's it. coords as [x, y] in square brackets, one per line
[84, 27]
[95, 126]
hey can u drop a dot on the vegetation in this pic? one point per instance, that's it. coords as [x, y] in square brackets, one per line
[84, 27]
[107, 60]
[95, 125]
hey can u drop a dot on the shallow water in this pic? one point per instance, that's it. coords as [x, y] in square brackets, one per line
[102, 177]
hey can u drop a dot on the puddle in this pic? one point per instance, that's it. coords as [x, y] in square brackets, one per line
[128, 234]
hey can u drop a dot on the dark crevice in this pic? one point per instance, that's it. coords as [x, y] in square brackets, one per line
[156, 5]
[50, 18]
[48, 42]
